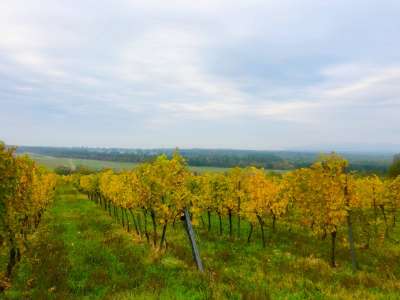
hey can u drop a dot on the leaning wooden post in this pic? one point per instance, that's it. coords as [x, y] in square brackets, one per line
[190, 232]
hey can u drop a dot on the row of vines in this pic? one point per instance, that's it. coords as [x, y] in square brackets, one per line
[25, 192]
[324, 199]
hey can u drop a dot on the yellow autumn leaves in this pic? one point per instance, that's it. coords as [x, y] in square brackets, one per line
[321, 198]
[25, 191]
[322, 195]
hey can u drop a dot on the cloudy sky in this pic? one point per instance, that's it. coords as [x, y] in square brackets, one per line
[221, 74]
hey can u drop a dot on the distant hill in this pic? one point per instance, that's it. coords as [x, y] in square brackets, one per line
[278, 160]
[374, 148]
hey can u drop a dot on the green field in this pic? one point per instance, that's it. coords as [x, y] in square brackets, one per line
[53, 162]
[80, 252]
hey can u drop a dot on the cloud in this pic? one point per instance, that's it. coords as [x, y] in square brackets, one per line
[300, 73]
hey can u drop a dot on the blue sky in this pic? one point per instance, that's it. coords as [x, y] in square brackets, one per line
[217, 74]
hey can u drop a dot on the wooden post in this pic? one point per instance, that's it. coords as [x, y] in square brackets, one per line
[238, 223]
[351, 242]
[333, 239]
[192, 239]
[350, 228]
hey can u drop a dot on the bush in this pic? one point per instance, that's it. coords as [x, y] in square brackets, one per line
[394, 169]
[63, 170]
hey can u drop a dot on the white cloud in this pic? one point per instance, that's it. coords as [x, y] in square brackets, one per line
[157, 64]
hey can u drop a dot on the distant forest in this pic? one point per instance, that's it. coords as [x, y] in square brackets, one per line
[275, 160]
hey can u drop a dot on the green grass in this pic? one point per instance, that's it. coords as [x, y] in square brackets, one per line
[51, 163]
[80, 252]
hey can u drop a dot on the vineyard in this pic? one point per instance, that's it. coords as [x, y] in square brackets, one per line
[323, 199]
[321, 219]
[25, 190]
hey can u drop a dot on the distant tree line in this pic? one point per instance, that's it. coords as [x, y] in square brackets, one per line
[277, 160]
[67, 170]
[394, 169]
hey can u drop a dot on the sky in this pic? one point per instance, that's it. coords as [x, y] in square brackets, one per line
[201, 74]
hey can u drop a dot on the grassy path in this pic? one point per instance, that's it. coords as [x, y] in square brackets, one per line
[79, 253]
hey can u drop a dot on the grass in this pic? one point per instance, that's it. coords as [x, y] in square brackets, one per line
[80, 252]
[52, 162]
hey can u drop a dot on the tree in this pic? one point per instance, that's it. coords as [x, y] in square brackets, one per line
[324, 197]
[394, 169]
[393, 194]
[235, 203]
[263, 199]
[25, 190]
[63, 170]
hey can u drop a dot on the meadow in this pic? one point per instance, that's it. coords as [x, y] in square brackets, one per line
[52, 162]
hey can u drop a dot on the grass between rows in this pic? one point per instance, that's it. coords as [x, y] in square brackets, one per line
[80, 252]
